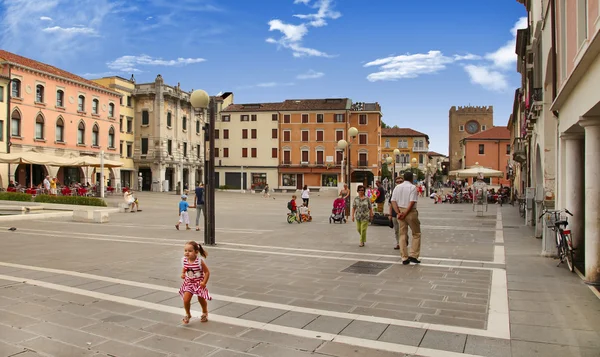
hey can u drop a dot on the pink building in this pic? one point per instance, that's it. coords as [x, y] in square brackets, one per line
[489, 148]
[57, 113]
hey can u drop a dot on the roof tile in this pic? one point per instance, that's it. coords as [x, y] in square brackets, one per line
[292, 105]
[494, 133]
[401, 132]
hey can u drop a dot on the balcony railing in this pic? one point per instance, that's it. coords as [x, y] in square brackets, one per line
[420, 149]
[518, 148]
[363, 163]
[286, 162]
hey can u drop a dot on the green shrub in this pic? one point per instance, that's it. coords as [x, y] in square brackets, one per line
[15, 196]
[71, 200]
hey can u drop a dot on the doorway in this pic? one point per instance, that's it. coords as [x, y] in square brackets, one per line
[146, 178]
[299, 181]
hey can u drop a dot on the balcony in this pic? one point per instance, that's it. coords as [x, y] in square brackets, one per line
[286, 163]
[537, 103]
[420, 149]
[518, 148]
[363, 163]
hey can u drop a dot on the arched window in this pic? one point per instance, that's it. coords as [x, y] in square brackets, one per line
[81, 133]
[95, 135]
[111, 137]
[16, 88]
[39, 127]
[81, 103]
[95, 104]
[169, 120]
[60, 98]
[111, 110]
[39, 93]
[15, 123]
[60, 130]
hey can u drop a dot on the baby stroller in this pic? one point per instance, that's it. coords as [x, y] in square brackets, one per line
[338, 211]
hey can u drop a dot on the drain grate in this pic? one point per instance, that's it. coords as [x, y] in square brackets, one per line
[510, 227]
[368, 268]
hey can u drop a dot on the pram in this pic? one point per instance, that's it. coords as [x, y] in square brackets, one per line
[338, 211]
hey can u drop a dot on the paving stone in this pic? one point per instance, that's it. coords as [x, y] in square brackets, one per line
[267, 298]
[55, 348]
[524, 305]
[266, 350]
[116, 332]
[229, 353]
[13, 335]
[445, 341]
[453, 321]
[176, 346]
[234, 309]
[94, 285]
[538, 349]
[7, 349]
[390, 314]
[282, 339]
[416, 310]
[263, 314]
[328, 324]
[364, 329]
[486, 346]
[344, 350]
[181, 331]
[353, 302]
[80, 310]
[124, 320]
[406, 301]
[231, 343]
[463, 314]
[68, 320]
[403, 335]
[44, 301]
[20, 321]
[216, 327]
[27, 353]
[67, 335]
[294, 319]
[66, 280]
[114, 306]
[134, 292]
[557, 336]
[320, 305]
[30, 310]
[74, 298]
[158, 316]
[4, 301]
[455, 306]
[119, 349]
[115, 288]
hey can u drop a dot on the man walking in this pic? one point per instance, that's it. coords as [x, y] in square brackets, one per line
[404, 202]
[380, 200]
[393, 216]
[199, 203]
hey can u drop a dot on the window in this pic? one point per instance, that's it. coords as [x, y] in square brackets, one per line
[81, 133]
[129, 125]
[402, 143]
[274, 117]
[225, 152]
[253, 133]
[169, 120]
[483, 127]
[225, 133]
[286, 135]
[216, 152]
[121, 142]
[304, 118]
[286, 118]
[339, 118]
[216, 133]
[244, 152]
[319, 135]
[339, 135]
[288, 180]
[362, 159]
[244, 133]
[121, 102]
[1, 130]
[287, 157]
[273, 133]
[362, 119]
[169, 147]
[563, 38]
[16, 88]
[387, 143]
[129, 149]
[95, 135]
[582, 23]
[111, 137]
[121, 123]
[421, 159]
[304, 135]
[508, 149]
[319, 118]
[39, 93]
[461, 128]
[144, 146]
[253, 117]
[39, 127]
[320, 156]
[1, 94]
[253, 151]
[145, 117]
[198, 151]
[197, 126]
[184, 123]
[185, 150]
[60, 98]
[274, 153]
[95, 105]
[129, 101]
[362, 139]
[481, 149]
[305, 156]
[339, 156]
[225, 118]
[81, 103]
[244, 117]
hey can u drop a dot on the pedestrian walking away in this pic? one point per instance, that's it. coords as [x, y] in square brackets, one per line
[393, 217]
[345, 194]
[362, 213]
[199, 203]
[184, 217]
[195, 275]
[404, 202]
[305, 195]
[380, 200]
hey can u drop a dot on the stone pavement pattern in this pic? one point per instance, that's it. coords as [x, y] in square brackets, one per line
[280, 289]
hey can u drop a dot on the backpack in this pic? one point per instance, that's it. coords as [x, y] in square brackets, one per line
[289, 205]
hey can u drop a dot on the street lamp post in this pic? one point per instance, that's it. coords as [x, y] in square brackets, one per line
[413, 165]
[396, 153]
[343, 144]
[200, 99]
[428, 179]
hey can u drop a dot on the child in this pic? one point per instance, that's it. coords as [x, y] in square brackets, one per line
[195, 275]
[293, 208]
[304, 213]
[183, 213]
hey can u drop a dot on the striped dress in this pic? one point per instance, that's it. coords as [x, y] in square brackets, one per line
[193, 277]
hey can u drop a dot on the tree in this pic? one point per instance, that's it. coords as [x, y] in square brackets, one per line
[384, 125]
[385, 172]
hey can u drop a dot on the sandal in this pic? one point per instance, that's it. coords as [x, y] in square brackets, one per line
[361, 245]
[204, 317]
[186, 319]
[197, 229]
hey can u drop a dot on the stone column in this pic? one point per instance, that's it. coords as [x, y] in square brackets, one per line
[574, 189]
[592, 200]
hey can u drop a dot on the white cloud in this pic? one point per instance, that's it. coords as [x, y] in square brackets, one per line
[149, 18]
[130, 63]
[408, 66]
[486, 77]
[505, 56]
[71, 30]
[311, 74]
[267, 85]
[294, 34]
[467, 57]
[45, 18]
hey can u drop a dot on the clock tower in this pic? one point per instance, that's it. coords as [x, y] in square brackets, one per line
[464, 122]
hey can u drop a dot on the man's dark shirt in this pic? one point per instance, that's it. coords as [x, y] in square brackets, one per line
[199, 195]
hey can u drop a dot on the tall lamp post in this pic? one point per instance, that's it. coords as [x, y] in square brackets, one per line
[200, 99]
[396, 153]
[429, 177]
[343, 144]
[413, 165]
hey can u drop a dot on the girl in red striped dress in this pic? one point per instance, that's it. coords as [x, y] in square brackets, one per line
[195, 275]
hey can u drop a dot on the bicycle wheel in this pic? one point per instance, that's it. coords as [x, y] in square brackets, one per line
[290, 218]
[568, 251]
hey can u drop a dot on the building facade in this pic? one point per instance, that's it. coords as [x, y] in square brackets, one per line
[412, 144]
[490, 149]
[57, 113]
[4, 87]
[125, 87]
[463, 122]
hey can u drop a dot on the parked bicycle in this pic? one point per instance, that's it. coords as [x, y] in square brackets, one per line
[557, 221]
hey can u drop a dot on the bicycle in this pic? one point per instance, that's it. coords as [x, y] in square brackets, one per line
[558, 222]
[291, 218]
[522, 207]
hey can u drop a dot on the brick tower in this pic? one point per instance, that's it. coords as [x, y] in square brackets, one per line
[463, 122]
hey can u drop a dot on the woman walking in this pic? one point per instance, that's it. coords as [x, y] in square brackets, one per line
[345, 194]
[305, 195]
[362, 212]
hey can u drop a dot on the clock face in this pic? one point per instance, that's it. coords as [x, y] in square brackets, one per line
[472, 127]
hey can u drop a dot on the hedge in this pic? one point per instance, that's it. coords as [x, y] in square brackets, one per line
[15, 196]
[71, 200]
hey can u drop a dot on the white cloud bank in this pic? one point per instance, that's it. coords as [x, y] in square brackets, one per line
[131, 63]
[70, 31]
[45, 18]
[310, 74]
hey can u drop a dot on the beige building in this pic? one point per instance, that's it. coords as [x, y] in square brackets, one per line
[463, 122]
[127, 141]
[4, 86]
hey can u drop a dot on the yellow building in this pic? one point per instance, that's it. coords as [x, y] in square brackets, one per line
[4, 84]
[410, 143]
[126, 126]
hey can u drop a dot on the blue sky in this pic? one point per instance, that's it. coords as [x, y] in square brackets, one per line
[415, 60]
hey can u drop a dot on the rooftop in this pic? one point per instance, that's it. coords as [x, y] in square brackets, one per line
[402, 132]
[292, 105]
[494, 133]
[433, 153]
